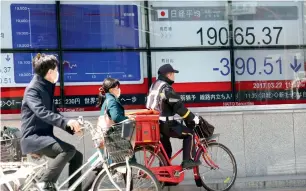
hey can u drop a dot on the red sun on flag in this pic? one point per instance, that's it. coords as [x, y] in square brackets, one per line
[162, 13]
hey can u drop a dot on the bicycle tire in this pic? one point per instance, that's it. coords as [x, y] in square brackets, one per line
[100, 177]
[22, 182]
[199, 154]
[4, 187]
[160, 156]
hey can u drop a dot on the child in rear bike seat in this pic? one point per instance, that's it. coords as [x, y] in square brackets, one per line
[111, 112]
[111, 109]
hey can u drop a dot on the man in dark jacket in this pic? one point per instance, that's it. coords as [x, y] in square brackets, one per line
[164, 99]
[39, 115]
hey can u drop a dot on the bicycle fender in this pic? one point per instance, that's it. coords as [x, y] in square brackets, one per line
[211, 141]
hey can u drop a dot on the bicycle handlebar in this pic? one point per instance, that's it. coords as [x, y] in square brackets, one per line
[86, 125]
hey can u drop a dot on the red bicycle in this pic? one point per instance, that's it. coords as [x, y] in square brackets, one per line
[149, 148]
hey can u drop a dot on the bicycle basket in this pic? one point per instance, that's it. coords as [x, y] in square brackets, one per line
[118, 141]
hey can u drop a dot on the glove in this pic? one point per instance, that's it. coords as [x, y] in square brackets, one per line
[196, 120]
[74, 125]
[69, 130]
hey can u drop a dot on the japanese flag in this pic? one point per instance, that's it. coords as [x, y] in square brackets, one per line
[162, 13]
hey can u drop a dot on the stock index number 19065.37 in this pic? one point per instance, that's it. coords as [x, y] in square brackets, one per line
[270, 35]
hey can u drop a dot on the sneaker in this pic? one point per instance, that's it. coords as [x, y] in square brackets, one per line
[190, 163]
[46, 186]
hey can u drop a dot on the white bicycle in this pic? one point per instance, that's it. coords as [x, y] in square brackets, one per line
[114, 146]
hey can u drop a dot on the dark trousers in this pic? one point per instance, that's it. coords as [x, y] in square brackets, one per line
[177, 130]
[61, 153]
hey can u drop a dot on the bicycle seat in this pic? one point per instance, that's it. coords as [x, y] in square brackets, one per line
[214, 136]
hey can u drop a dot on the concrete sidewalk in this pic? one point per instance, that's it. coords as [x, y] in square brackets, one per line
[269, 182]
[187, 188]
[273, 183]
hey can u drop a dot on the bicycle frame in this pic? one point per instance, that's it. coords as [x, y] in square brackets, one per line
[34, 176]
[96, 159]
[32, 172]
[178, 176]
[160, 147]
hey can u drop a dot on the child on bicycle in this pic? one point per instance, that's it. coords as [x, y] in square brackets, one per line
[112, 109]
[109, 101]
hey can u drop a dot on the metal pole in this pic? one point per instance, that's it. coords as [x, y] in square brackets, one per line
[231, 49]
[148, 44]
[60, 56]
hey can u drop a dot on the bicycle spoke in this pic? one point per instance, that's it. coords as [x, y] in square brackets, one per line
[139, 180]
[223, 176]
[224, 169]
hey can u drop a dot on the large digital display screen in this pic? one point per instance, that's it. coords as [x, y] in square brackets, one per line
[267, 63]
[97, 25]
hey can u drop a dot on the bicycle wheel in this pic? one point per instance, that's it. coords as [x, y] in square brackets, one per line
[118, 172]
[4, 187]
[217, 181]
[18, 183]
[159, 159]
